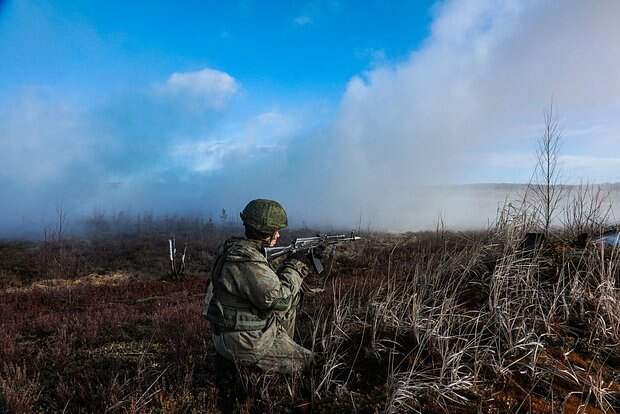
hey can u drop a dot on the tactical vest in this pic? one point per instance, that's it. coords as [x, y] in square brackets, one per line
[230, 312]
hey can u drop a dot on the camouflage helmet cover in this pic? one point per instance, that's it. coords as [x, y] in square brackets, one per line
[266, 216]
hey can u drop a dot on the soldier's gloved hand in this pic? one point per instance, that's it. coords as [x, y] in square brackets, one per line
[310, 258]
[303, 256]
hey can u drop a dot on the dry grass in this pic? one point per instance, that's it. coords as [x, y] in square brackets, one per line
[434, 322]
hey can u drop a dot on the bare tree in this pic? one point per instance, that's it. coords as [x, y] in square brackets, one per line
[177, 265]
[55, 233]
[546, 186]
[61, 219]
[224, 217]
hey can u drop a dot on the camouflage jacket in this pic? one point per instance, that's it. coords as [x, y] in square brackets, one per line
[245, 296]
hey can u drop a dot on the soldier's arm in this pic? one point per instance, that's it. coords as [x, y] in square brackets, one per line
[291, 273]
[268, 291]
[291, 270]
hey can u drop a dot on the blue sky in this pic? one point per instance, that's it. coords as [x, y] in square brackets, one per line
[328, 106]
[277, 48]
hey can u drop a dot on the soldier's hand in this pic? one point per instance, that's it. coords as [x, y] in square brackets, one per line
[299, 261]
[311, 258]
[302, 255]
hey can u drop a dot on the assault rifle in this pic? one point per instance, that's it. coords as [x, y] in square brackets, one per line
[308, 244]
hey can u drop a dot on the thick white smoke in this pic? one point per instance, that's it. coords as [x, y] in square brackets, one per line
[468, 106]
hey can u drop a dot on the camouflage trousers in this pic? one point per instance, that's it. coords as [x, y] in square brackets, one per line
[285, 356]
[281, 355]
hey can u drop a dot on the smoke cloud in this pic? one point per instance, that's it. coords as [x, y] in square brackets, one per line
[467, 106]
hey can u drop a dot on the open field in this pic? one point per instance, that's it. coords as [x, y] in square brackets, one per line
[431, 322]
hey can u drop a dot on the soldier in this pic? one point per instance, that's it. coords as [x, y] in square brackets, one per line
[251, 308]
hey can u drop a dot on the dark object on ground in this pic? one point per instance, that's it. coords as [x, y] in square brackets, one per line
[532, 241]
[581, 241]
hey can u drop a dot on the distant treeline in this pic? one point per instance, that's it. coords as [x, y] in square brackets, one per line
[120, 224]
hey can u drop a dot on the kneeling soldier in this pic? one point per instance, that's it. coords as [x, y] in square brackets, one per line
[250, 307]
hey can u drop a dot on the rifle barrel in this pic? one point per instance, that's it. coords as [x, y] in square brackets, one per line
[307, 243]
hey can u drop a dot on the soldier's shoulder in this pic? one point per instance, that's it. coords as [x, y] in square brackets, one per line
[244, 250]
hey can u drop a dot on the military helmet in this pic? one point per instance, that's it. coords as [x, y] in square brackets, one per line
[266, 216]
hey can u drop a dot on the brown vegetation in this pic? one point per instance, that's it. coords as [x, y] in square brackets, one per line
[434, 322]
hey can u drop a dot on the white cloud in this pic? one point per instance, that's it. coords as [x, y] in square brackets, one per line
[271, 127]
[205, 156]
[209, 87]
[314, 10]
[41, 138]
[211, 155]
[266, 133]
[302, 20]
